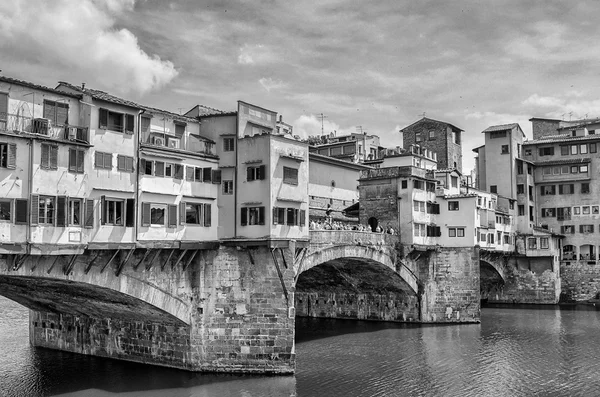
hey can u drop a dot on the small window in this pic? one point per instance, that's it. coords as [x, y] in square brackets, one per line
[532, 243]
[544, 242]
[74, 211]
[8, 153]
[520, 188]
[585, 188]
[583, 169]
[583, 149]
[5, 210]
[573, 149]
[576, 210]
[593, 148]
[255, 173]
[158, 214]
[113, 212]
[46, 210]
[125, 163]
[519, 167]
[493, 189]
[564, 150]
[453, 206]
[76, 160]
[527, 152]
[418, 137]
[56, 112]
[290, 176]
[504, 149]
[228, 144]
[252, 216]
[585, 210]
[521, 209]
[148, 166]
[431, 134]
[103, 160]
[404, 184]
[49, 160]
[228, 187]
[547, 151]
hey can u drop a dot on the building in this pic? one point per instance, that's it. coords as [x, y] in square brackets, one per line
[439, 137]
[356, 148]
[398, 157]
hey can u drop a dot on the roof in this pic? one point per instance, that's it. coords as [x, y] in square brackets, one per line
[204, 111]
[583, 160]
[544, 119]
[11, 80]
[569, 125]
[319, 157]
[462, 195]
[476, 150]
[561, 139]
[435, 121]
[106, 97]
[501, 127]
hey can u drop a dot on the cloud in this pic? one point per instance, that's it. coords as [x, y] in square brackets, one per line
[567, 106]
[271, 84]
[310, 125]
[82, 35]
[256, 54]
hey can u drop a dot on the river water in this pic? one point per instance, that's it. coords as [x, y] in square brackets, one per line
[515, 351]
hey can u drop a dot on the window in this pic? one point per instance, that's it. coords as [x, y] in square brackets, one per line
[103, 160]
[456, 232]
[177, 171]
[433, 231]
[56, 112]
[595, 209]
[530, 190]
[585, 188]
[567, 229]
[564, 169]
[504, 149]
[521, 209]
[573, 149]
[49, 160]
[431, 134]
[228, 187]
[574, 169]
[404, 184]
[564, 150]
[253, 216]
[207, 173]
[168, 170]
[196, 213]
[74, 208]
[147, 167]
[556, 170]
[527, 152]
[433, 208]
[255, 173]
[113, 211]
[3, 110]
[491, 238]
[419, 206]
[418, 137]
[76, 158]
[493, 189]
[586, 228]
[544, 242]
[585, 210]
[519, 167]
[529, 169]
[532, 243]
[158, 214]
[593, 148]
[563, 214]
[8, 155]
[497, 134]
[109, 120]
[189, 173]
[292, 216]
[46, 210]
[5, 210]
[278, 216]
[454, 181]
[566, 189]
[583, 169]
[125, 163]
[548, 212]
[547, 151]
[420, 230]
[520, 189]
[290, 176]
[576, 211]
[228, 144]
[583, 149]
[452, 205]
[418, 184]
[506, 239]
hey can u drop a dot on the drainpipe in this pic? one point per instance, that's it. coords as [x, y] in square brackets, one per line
[137, 174]
[29, 192]
[235, 173]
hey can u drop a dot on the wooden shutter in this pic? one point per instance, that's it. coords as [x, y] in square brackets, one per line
[103, 119]
[216, 176]
[103, 210]
[261, 215]
[189, 174]
[250, 173]
[72, 160]
[302, 217]
[107, 161]
[62, 114]
[172, 216]
[89, 213]
[275, 215]
[130, 213]
[129, 164]
[159, 168]
[295, 217]
[244, 216]
[198, 174]
[178, 171]
[45, 160]
[21, 206]
[80, 155]
[182, 213]
[263, 172]
[98, 160]
[54, 158]
[61, 211]
[129, 123]
[120, 163]
[145, 214]
[49, 110]
[35, 210]
[207, 175]
[207, 215]
[12, 156]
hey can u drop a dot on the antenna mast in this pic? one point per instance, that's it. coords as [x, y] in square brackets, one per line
[322, 117]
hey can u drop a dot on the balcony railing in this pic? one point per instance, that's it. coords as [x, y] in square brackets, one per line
[191, 142]
[36, 125]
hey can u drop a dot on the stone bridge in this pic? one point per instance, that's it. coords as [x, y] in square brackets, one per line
[226, 307]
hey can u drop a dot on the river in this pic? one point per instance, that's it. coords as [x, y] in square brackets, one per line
[515, 351]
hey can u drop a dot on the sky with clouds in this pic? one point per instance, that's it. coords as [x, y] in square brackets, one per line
[379, 65]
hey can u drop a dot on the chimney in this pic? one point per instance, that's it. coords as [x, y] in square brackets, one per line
[83, 86]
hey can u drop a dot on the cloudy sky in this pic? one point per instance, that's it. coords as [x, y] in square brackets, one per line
[379, 65]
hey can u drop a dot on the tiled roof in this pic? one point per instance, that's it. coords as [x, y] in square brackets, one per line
[451, 196]
[208, 111]
[501, 127]
[583, 160]
[561, 139]
[435, 121]
[11, 80]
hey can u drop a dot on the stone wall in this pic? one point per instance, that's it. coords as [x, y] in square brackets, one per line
[580, 281]
[441, 144]
[544, 127]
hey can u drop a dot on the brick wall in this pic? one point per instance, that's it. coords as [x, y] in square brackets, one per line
[447, 151]
[542, 128]
[579, 281]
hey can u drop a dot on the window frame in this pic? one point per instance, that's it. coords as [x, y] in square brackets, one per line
[453, 205]
[79, 166]
[228, 144]
[290, 176]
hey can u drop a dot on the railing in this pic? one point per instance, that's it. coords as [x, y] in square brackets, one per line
[351, 237]
[78, 134]
[36, 125]
[190, 143]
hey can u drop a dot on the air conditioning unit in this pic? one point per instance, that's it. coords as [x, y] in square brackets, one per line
[174, 143]
[72, 133]
[40, 126]
[158, 141]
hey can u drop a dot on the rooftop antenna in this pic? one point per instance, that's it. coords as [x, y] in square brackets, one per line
[570, 115]
[423, 114]
[563, 116]
[359, 129]
[322, 117]
[180, 110]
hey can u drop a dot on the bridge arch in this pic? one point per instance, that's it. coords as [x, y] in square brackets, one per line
[492, 269]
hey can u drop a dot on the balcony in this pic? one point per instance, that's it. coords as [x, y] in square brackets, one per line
[187, 142]
[19, 124]
[77, 134]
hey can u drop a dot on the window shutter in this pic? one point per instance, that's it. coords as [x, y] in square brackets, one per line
[35, 208]
[120, 163]
[159, 168]
[62, 114]
[130, 213]
[275, 213]
[129, 164]
[207, 215]
[207, 175]
[103, 210]
[45, 160]
[12, 156]
[244, 216]
[182, 213]
[103, 119]
[107, 160]
[262, 171]
[89, 213]
[172, 216]
[21, 211]
[61, 211]
[80, 154]
[295, 217]
[72, 160]
[49, 109]
[438, 231]
[145, 214]
[54, 158]
[142, 166]
[302, 217]
[129, 122]
[178, 171]
[98, 160]
[216, 176]
[250, 173]
[198, 174]
[261, 215]
[189, 174]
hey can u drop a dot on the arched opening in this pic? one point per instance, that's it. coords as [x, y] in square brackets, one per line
[569, 252]
[355, 288]
[587, 252]
[491, 284]
[373, 223]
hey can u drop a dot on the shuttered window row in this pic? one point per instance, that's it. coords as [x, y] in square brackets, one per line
[177, 171]
[289, 216]
[168, 214]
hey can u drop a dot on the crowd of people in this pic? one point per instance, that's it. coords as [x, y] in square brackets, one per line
[328, 224]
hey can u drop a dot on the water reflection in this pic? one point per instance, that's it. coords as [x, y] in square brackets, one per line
[516, 351]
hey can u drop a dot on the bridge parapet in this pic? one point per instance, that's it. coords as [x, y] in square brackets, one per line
[349, 237]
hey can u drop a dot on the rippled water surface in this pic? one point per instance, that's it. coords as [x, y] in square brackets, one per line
[529, 351]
